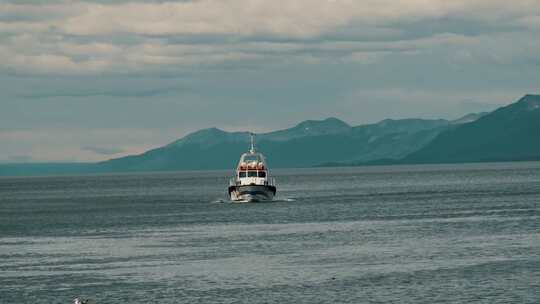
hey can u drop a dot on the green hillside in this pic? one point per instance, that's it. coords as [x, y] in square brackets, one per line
[507, 134]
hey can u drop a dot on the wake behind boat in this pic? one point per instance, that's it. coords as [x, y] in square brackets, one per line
[252, 181]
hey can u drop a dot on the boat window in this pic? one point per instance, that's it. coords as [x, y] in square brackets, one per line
[242, 174]
[262, 174]
[252, 173]
[251, 158]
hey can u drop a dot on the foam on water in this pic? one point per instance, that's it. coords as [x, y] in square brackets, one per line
[275, 200]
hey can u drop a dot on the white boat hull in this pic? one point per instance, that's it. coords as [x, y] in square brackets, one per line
[252, 193]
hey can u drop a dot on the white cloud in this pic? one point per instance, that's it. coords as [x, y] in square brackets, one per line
[279, 17]
[85, 37]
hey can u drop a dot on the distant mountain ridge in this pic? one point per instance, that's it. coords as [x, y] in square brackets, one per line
[309, 143]
[306, 128]
[510, 133]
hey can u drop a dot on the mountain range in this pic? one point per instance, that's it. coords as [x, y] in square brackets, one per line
[309, 143]
[507, 134]
[510, 133]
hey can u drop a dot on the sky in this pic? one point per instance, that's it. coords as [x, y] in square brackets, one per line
[92, 80]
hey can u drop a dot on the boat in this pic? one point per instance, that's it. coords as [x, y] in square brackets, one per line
[252, 181]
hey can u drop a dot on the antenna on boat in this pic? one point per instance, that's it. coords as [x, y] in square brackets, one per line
[252, 148]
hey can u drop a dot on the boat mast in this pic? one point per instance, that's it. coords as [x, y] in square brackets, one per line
[252, 148]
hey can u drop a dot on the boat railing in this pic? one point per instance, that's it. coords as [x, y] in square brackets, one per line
[270, 181]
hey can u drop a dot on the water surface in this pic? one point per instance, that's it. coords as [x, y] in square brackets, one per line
[403, 234]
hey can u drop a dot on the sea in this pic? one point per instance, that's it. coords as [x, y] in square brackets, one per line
[397, 234]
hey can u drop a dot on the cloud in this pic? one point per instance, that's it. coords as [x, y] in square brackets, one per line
[280, 17]
[103, 92]
[92, 37]
[246, 17]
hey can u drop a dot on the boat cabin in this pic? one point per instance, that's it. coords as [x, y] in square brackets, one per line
[252, 169]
